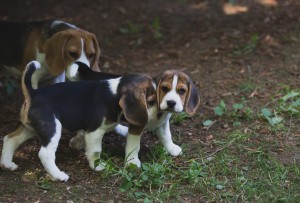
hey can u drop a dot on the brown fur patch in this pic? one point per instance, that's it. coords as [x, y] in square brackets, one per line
[64, 47]
[35, 39]
[17, 132]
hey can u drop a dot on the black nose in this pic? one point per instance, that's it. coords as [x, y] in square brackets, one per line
[171, 103]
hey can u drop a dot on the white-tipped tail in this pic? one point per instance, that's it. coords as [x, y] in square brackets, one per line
[72, 72]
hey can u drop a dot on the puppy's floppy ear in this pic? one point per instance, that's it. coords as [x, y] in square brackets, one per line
[94, 63]
[192, 100]
[158, 89]
[134, 106]
[54, 50]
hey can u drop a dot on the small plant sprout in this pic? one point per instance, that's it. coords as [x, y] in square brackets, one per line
[250, 47]
[156, 28]
[290, 103]
[273, 119]
[131, 28]
[208, 123]
[178, 118]
[221, 109]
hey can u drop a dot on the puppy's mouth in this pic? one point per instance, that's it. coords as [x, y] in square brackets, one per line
[171, 110]
[171, 106]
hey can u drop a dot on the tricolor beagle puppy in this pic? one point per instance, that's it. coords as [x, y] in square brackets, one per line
[175, 93]
[55, 44]
[95, 107]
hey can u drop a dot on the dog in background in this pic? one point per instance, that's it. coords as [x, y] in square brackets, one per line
[55, 44]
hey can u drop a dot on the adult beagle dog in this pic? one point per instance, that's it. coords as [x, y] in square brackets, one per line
[55, 44]
[95, 107]
[175, 92]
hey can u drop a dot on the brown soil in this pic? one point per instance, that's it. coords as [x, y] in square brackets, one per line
[197, 37]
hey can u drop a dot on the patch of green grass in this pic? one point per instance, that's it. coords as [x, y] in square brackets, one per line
[156, 28]
[179, 118]
[237, 166]
[8, 84]
[230, 174]
[295, 38]
[130, 28]
[249, 47]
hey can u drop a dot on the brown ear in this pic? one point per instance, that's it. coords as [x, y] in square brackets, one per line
[54, 50]
[192, 100]
[94, 63]
[158, 82]
[133, 104]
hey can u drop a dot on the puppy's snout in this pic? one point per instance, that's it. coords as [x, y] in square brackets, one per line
[171, 104]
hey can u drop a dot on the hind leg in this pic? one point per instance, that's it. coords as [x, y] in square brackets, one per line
[47, 155]
[93, 142]
[78, 143]
[10, 144]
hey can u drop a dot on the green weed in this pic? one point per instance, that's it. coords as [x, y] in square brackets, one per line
[250, 47]
[179, 118]
[156, 28]
[130, 28]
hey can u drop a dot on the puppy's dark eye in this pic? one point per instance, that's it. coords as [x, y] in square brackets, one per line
[73, 54]
[165, 89]
[181, 91]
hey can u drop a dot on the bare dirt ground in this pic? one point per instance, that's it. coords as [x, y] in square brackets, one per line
[223, 54]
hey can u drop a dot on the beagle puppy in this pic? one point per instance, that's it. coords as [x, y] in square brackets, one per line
[95, 107]
[55, 44]
[175, 92]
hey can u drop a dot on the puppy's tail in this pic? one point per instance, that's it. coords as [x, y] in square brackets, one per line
[26, 79]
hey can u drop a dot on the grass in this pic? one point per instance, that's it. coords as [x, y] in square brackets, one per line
[239, 167]
[248, 47]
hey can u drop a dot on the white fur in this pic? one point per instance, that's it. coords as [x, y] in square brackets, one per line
[47, 155]
[60, 78]
[113, 85]
[83, 58]
[36, 64]
[73, 68]
[121, 130]
[72, 72]
[41, 71]
[165, 137]
[57, 22]
[132, 149]
[93, 148]
[10, 145]
[172, 95]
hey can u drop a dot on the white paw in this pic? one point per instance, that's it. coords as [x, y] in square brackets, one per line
[100, 167]
[174, 150]
[10, 165]
[134, 161]
[61, 176]
[121, 130]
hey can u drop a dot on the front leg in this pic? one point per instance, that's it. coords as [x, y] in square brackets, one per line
[132, 149]
[165, 137]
